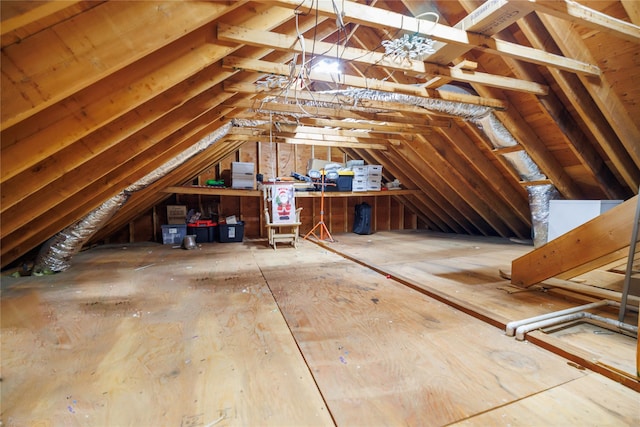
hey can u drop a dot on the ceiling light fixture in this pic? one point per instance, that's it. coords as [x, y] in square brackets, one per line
[411, 47]
[328, 67]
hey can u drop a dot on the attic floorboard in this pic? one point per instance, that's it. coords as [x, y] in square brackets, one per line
[464, 271]
[239, 334]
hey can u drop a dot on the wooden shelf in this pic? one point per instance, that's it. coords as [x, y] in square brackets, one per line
[212, 191]
[356, 193]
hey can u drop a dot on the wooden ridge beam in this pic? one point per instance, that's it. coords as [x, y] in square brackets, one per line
[414, 68]
[585, 248]
[383, 19]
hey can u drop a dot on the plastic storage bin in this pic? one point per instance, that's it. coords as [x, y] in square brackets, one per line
[172, 234]
[201, 233]
[204, 230]
[231, 232]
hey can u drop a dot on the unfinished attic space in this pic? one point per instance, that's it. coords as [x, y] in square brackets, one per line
[320, 213]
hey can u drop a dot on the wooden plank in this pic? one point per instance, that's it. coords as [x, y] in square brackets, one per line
[418, 68]
[605, 400]
[217, 330]
[75, 63]
[109, 101]
[575, 12]
[79, 205]
[387, 126]
[585, 106]
[588, 289]
[96, 155]
[383, 19]
[465, 157]
[610, 105]
[344, 324]
[439, 161]
[489, 18]
[603, 235]
[464, 271]
[199, 331]
[14, 19]
[350, 80]
[211, 191]
[338, 144]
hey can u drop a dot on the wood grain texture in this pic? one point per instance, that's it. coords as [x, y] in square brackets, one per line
[237, 334]
[151, 336]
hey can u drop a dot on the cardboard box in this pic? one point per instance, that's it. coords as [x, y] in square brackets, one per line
[176, 214]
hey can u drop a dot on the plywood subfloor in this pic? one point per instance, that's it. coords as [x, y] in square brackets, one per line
[239, 334]
[465, 271]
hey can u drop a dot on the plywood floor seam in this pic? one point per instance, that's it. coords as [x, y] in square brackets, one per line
[240, 335]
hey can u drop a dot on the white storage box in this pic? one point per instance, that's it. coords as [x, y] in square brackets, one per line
[374, 170]
[360, 170]
[374, 179]
[242, 168]
[565, 215]
[243, 175]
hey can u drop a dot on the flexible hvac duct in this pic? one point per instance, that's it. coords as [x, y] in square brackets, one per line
[55, 255]
[539, 200]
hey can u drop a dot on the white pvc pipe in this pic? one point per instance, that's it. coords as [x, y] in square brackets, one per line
[512, 326]
[521, 331]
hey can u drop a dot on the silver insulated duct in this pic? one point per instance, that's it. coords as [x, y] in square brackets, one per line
[55, 255]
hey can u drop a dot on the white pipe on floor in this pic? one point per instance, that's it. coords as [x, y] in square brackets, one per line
[583, 315]
[512, 326]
